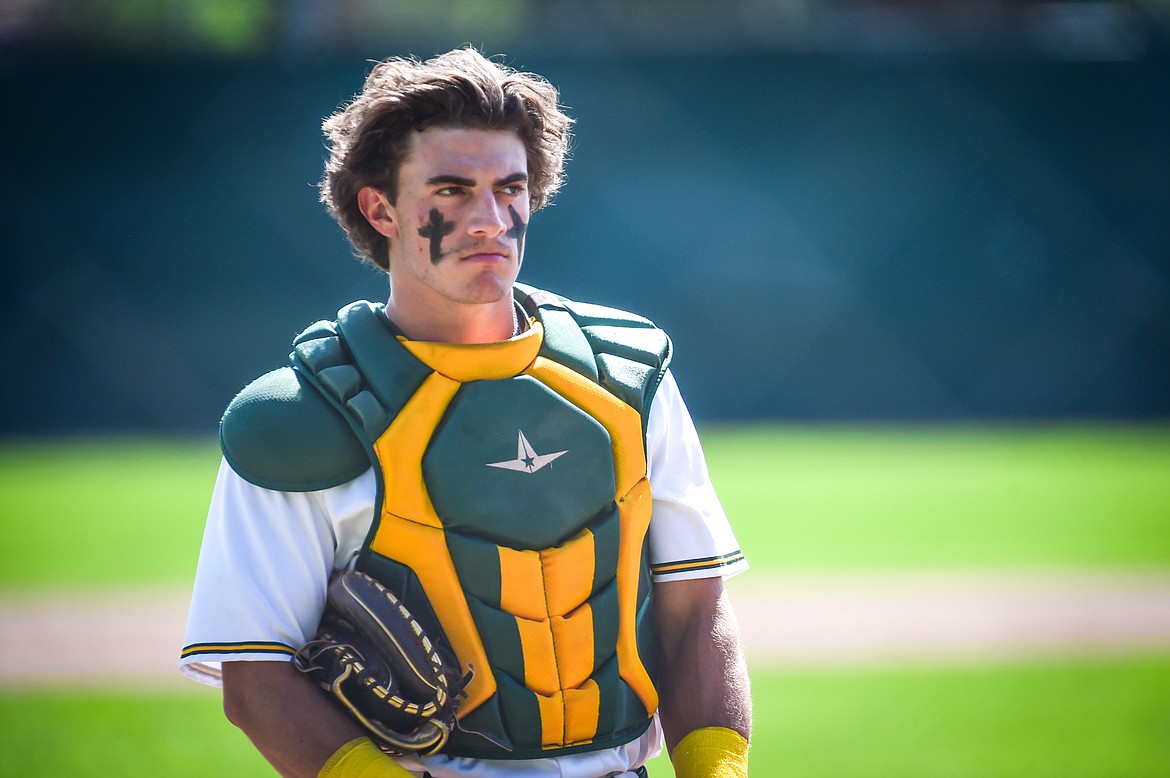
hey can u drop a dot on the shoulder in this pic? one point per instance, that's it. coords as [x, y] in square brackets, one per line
[621, 333]
[624, 351]
[280, 433]
[607, 329]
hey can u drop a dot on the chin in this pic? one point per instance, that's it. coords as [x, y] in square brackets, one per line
[494, 284]
[488, 290]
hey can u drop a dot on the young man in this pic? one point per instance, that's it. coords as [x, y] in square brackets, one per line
[581, 576]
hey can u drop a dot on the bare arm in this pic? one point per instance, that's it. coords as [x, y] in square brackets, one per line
[289, 720]
[703, 676]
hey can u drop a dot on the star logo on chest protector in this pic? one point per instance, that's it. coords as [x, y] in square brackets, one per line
[527, 460]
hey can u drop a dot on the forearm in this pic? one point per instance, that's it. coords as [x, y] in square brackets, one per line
[703, 675]
[289, 720]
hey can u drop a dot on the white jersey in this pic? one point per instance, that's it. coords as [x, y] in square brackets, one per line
[267, 557]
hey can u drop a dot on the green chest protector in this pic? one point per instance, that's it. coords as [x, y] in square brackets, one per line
[512, 504]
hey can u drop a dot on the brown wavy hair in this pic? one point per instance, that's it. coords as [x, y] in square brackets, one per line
[369, 137]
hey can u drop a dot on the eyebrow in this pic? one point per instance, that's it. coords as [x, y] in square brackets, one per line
[447, 178]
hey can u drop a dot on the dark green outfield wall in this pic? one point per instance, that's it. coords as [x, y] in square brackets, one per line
[825, 237]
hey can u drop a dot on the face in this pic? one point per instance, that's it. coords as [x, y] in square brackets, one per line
[457, 229]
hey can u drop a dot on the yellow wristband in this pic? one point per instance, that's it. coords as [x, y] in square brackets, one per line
[711, 752]
[360, 758]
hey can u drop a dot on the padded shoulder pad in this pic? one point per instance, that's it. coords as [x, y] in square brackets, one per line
[631, 353]
[280, 433]
[590, 313]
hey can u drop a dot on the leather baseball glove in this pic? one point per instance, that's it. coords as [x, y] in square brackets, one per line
[375, 659]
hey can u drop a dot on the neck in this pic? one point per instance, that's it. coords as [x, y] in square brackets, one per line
[468, 323]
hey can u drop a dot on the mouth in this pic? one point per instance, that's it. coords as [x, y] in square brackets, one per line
[488, 255]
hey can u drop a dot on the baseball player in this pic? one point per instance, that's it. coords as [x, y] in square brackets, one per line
[518, 468]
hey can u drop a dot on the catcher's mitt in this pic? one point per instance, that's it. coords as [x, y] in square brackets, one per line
[377, 661]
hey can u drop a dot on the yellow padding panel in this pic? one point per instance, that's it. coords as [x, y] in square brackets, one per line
[540, 656]
[635, 521]
[623, 423]
[465, 362]
[522, 584]
[573, 637]
[581, 710]
[401, 449]
[569, 718]
[552, 719]
[409, 530]
[424, 550]
[538, 584]
[568, 573]
[548, 593]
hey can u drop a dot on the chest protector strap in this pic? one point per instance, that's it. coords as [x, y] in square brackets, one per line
[512, 510]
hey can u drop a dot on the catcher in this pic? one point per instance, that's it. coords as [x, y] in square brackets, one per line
[468, 531]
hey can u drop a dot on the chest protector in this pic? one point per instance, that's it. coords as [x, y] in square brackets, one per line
[512, 510]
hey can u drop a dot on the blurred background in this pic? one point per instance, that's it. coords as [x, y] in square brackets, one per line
[948, 210]
[915, 258]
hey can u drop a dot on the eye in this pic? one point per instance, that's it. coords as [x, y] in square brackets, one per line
[513, 190]
[448, 191]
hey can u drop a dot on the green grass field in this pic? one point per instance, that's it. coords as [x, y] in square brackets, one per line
[1059, 496]
[129, 513]
[1071, 720]
[82, 512]
[97, 513]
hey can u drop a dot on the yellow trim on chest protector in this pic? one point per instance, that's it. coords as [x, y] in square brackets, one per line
[546, 591]
[479, 361]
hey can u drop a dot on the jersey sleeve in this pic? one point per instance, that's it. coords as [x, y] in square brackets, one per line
[690, 535]
[264, 567]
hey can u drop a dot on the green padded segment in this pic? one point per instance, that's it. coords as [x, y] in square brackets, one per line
[394, 575]
[524, 509]
[392, 373]
[531, 299]
[487, 718]
[605, 624]
[563, 342]
[370, 414]
[320, 329]
[619, 708]
[645, 345]
[615, 335]
[327, 362]
[632, 362]
[344, 381]
[401, 580]
[478, 564]
[279, 433]
[591, 313]
[500, 636]
[606, 540]
[596, 338]
[521, 712]
[318, 354]
[626, 379]
[612, 690]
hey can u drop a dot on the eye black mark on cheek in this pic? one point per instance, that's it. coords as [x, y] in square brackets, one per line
[436, 229]
[518, 227]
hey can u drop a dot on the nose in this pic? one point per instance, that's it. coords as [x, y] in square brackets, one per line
[487, 217]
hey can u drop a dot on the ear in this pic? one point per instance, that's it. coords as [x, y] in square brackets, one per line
[378, 211]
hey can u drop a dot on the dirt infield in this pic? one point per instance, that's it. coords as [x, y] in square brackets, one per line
[936, 617]
[132, 639]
